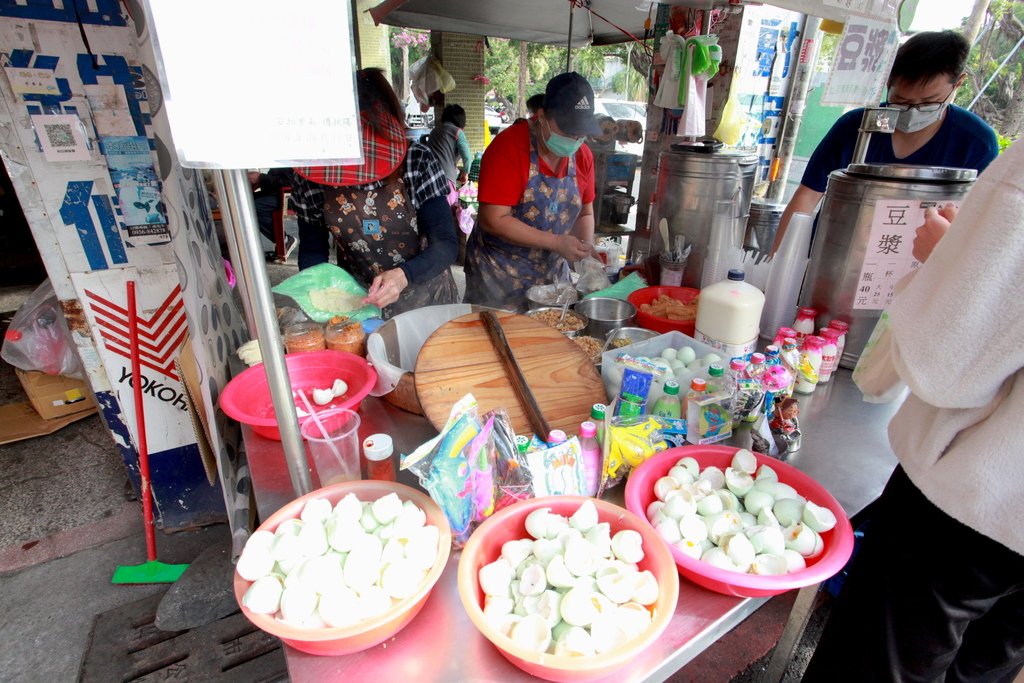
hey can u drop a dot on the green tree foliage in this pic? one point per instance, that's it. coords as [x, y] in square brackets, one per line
[1002, 102]
[501, 66]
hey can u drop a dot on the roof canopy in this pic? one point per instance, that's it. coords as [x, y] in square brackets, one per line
[547, 21]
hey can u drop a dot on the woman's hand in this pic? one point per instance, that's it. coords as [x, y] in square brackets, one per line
[936, 223]
[572, 248]
[386, 287]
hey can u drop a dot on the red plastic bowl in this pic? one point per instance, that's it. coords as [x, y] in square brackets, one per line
[348, 639]
[484, 547]
[838, 542]
[246, 398]
[656, 322]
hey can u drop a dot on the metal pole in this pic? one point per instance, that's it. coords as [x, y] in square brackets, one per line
[994, 74]
[568, 44]
[240, 201]
[796, 101]
[232, 235]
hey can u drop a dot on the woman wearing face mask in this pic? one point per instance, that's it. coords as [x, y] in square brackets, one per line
[930, 130]
[536, 199]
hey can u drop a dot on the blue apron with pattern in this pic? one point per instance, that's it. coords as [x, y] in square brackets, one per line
[375, 230]
[498, 273]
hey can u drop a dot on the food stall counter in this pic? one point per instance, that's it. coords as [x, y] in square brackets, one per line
[845, 448]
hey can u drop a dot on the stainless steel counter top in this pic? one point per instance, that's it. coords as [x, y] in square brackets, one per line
[845, 448]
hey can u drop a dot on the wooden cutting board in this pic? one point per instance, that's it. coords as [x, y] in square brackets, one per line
[458, 359]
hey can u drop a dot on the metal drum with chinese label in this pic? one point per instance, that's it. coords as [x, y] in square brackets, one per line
[863, 240]
[691, 178]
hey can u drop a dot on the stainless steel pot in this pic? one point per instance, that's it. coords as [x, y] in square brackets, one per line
[691, 178]
[842, 244]
[606, 314]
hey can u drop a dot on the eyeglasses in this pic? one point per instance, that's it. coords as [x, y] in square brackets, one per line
[923, 107]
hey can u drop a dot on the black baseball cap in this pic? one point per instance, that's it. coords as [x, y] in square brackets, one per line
[569, 100]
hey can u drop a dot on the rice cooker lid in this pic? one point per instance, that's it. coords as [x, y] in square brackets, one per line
[907, 172]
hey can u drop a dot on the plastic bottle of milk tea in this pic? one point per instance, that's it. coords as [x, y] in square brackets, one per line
[729, 316]
[829, 353]
[810, 364]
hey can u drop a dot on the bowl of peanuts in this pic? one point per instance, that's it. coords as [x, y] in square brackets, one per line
[664, 309]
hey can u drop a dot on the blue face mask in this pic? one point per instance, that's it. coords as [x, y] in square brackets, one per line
[561, 145]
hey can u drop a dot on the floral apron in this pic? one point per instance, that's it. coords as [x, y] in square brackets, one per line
[374, 231]
[498, 273]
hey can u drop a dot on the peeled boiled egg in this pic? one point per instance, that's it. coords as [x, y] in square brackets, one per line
[627, 545]
[264, 595]
[686, 355]
[339, 607]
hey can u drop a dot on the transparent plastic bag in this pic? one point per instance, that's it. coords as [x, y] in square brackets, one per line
[38, 337]
[592, 275]
[323, 282]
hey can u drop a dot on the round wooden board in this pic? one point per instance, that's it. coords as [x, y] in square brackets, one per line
[459, 359]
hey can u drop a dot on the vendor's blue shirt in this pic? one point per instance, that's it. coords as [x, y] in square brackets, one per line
[963, 141]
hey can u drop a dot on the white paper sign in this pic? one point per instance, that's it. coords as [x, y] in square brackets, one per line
[862, 62]
[258, 83]
[32, 81]
[62, 137]
[888, 255]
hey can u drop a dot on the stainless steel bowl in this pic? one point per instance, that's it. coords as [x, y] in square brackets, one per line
[568, 312]
[540, 296]
[633, 334]
[606, 314]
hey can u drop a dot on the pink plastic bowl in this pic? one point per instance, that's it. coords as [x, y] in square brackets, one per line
[484, 547]
[246, 398]
[838, 541]
[343, 641]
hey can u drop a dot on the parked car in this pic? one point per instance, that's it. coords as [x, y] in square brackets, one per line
[624, 109]
[414, 118]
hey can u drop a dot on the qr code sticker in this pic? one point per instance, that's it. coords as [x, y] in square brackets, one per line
[59, 135]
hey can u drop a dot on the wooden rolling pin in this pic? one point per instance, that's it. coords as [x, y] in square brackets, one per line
[515, 375]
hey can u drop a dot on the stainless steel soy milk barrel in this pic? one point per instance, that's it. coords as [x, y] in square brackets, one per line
[691, 178]
[864, 237]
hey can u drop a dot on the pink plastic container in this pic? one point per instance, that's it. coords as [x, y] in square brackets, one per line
[838, 542]
[343, 641]
[484, 547]
[246, 398]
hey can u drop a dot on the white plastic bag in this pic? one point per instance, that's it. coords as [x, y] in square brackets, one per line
[875, 374]
[38, 337]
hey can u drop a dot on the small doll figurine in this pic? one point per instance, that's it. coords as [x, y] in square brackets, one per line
[785, 422]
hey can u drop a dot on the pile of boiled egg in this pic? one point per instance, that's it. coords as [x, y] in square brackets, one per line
[339, 565]
[743, 519]
[681, 365]
[572, 588]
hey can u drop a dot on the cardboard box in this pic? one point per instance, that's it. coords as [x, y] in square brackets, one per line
[19, 421]
[54, 395]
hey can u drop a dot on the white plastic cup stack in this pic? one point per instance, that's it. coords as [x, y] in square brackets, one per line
[787, 275]
[723, 244]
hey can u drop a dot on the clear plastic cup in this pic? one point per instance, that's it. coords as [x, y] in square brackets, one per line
[334, 445]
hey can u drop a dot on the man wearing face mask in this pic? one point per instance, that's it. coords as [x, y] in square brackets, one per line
[930, 130]
[536, 199]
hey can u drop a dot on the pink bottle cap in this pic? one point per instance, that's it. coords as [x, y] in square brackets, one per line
[807, 313]
[813, 342]
[830, 333]
[737, 365]
[785, 332]
[588, 429]
[557, 436]
[840, 325]
[757, 358]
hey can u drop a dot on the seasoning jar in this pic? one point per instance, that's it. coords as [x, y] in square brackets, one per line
[377, 449]
[347, 336]
[303, 337]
